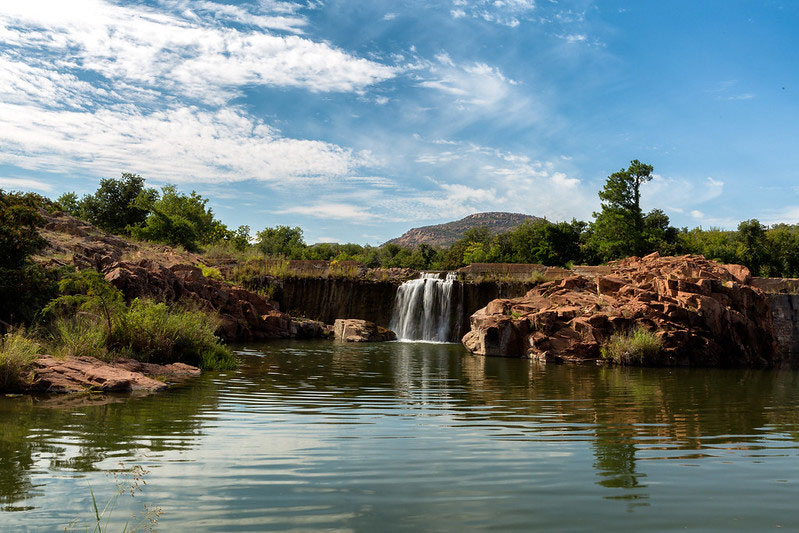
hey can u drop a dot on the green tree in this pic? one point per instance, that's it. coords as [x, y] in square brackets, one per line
[179, 219]
[752, 245]
[24, 286]
[116, 206]
[69, 202]
[19, 223]
[281, 241]
[783, 246]
[87, 291]
[618, 229]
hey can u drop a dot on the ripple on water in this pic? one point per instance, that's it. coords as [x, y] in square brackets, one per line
[399, 436]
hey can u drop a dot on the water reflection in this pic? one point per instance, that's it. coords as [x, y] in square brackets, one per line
[330, 435]
[52, 434]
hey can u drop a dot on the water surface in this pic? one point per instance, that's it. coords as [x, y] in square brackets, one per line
[316, 435]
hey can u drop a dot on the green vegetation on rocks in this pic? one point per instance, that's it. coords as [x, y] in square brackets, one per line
[638, 347]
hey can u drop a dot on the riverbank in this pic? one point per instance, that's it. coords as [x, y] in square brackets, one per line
[690, 311]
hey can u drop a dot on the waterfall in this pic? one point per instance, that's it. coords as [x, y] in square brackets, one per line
[423, 307]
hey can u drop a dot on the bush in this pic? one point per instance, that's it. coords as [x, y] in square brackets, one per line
[638, 347]
[157, 333]
[24, 291]
[17, 353]
[210, 272]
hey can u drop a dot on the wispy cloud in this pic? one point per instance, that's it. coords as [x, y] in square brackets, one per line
[25, 184]
[504, 12]
[471, 84]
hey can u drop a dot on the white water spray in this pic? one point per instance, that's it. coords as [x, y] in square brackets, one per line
[423, 308]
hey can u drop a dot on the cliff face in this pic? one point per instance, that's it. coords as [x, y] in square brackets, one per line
[448, 233]
[327, 299]
[703, 313]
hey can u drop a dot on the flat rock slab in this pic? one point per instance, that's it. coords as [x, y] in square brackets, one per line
[81, 374]
[356, 330]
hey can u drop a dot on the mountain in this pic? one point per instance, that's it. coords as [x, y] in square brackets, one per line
[449, 232]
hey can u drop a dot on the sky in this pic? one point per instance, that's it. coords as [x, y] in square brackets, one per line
[358, 120]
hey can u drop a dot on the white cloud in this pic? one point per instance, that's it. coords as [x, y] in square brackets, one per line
[95, 87]
[24, 184]
[503, 12]
[575, 37]
[679, 194]
[389, 16]
[177, 145]
[475, 84]
[237, 14]
[330, 210]
[183, 53]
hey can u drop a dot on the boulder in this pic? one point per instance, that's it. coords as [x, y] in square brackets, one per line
[356, 330]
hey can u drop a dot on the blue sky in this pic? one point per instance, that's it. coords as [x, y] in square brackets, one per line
[359, 120]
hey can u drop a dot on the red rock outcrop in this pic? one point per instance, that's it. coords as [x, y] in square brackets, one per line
[79, 374]
[245, 314]
[169, 275]
[704, 313]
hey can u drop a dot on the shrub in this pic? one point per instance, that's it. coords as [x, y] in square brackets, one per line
[17, 353]
[635, 348]
[24, 291]
[157, 333]
[210, 272]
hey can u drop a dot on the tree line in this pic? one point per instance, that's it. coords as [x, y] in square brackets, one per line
[619, 229]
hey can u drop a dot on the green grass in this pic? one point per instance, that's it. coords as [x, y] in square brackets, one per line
[17, 353]
[638, 347]
[146, 331]
[78, 337]
[163, 334]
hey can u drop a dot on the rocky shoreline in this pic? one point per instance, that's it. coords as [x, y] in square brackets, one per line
[703, 313]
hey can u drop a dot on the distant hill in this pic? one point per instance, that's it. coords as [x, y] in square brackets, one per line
[449, 232]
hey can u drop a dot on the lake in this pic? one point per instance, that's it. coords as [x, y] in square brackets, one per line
[397, 436]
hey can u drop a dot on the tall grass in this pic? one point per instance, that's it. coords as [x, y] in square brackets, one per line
[157, 333]
[638, 347]
[78, 337]
[17, 353]
[146, 331]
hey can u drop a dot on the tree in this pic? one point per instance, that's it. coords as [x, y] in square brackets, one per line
[281, 240]
[69, 202]
[658, 235]
[618, 229]
[179, 219]
[24, 286]
[752, 245]
[19, 222]
[116, 206]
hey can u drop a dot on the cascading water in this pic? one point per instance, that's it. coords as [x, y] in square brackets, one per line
[423, 308]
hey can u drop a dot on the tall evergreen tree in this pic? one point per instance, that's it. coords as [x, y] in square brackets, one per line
[619, 228]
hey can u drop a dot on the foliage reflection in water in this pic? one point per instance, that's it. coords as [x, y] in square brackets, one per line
[317, 435]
